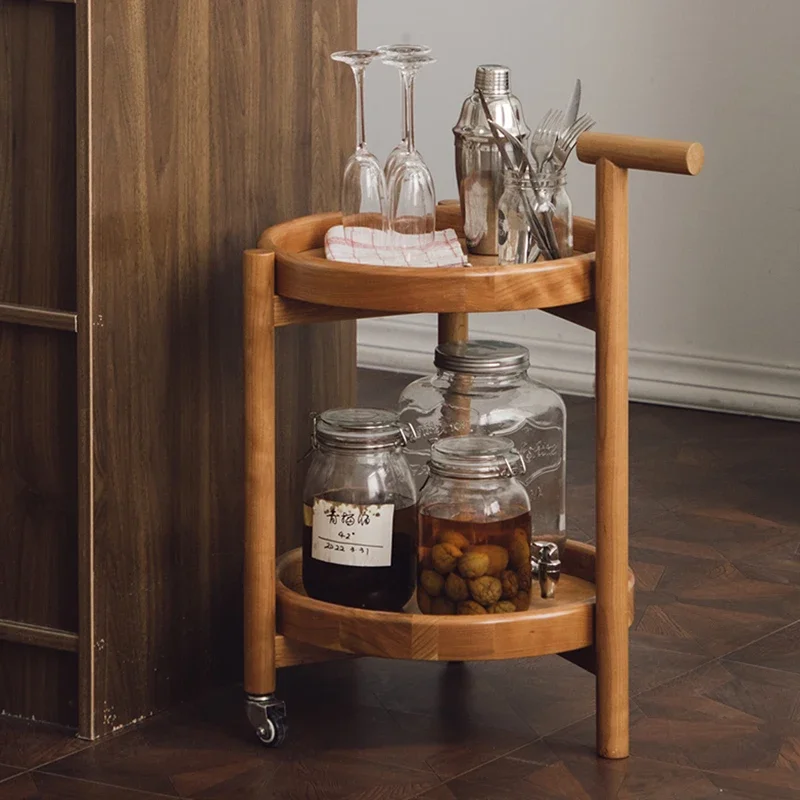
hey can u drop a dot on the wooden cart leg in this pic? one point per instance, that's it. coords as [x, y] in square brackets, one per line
[453, 328]
[611, 287]
[265, 712]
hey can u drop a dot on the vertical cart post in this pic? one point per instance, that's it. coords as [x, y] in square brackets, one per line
[614, 155]
[453, 328]
[611, 293]
[265, 712]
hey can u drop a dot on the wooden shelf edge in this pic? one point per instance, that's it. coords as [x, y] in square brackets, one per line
[36, 317]
[547, 628]
[38, 636]
[304, 276]
[297, 312]
[291, 653]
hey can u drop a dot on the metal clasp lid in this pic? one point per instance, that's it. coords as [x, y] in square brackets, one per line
[514, 465]
[408, 432]
[360, 429]
[314, 419]
[548, 567]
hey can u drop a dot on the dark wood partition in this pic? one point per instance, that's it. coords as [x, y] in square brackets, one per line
[143, 146]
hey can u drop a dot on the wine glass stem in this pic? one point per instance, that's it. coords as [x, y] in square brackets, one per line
[404, 112]
[361, 128]
[408, 82]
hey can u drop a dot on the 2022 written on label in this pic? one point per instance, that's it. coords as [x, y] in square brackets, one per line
[352, 535]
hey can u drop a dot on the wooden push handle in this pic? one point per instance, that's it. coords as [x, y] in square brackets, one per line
[636, 152]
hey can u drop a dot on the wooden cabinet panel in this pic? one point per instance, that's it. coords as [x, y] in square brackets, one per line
[37, 154]
[38, 684]
[203, 128]
[38, 477]
[143, 146]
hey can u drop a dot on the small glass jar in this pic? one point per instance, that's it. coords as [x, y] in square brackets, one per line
[359, 531]
[474, 529]
[550, 190]
[516, 241]
[484, 388]
[546, 194]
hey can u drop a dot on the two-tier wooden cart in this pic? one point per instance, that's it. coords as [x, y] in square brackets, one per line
[288, 281]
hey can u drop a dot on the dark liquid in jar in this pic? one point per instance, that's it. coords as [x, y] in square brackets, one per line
[376, 588]
[468, 567]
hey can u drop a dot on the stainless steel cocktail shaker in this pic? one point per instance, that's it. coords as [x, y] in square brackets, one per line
[479, 169]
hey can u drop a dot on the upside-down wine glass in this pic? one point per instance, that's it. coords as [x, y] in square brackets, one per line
[412, 196]
[401, 149]
[363, 197]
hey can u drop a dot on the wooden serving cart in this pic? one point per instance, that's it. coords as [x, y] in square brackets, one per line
[288, 281]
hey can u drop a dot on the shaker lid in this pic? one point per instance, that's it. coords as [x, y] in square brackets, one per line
[361, 429]
[482, 357]
[492, 79]
[476, 457]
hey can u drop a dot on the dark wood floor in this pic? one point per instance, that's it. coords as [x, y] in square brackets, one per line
[715, 535]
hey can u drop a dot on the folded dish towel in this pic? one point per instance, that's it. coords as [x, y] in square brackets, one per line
[371, 246]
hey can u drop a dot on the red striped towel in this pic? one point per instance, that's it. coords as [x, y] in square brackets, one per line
[372, 246]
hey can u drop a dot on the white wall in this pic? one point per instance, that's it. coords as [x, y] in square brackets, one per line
[715, 260]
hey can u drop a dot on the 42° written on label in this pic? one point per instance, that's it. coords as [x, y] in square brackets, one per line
[352, 535]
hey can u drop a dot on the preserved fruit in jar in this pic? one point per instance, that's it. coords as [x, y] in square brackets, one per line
[474, 519]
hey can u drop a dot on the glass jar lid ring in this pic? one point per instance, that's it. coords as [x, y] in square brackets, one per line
[405, 430]
[476, 456]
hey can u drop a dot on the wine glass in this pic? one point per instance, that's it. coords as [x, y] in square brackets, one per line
[400, 150]
[412, 197]
[363, 195]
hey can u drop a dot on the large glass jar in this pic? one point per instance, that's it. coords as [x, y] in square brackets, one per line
[359, 532]
[475, 529]
[483, 387]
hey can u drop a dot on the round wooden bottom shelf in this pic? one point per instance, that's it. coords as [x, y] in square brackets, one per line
[549, 626]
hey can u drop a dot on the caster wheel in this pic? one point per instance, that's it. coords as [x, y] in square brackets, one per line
[273, 733]
[268, 717]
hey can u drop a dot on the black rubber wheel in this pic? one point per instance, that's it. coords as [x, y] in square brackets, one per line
[273, 734]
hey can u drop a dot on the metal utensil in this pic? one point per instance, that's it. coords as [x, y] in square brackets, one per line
[544, 228]
[539, 231]
[519, 149]
[566, 141]
[492, 125]
[573, 107]
[545, 136]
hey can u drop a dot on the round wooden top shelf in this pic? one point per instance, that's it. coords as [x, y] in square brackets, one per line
[303, 273]
[549, 626]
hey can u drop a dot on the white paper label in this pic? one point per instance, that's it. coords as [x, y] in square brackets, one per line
[351, 535]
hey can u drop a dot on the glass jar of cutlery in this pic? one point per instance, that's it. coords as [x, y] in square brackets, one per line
[540, 194]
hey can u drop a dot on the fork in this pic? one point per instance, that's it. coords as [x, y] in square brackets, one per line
[567, 139]
[545, 137]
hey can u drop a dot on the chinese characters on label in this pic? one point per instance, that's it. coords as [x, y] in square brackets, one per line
[352, 535]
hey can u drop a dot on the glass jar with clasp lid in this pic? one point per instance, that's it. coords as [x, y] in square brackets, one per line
[475, 529]
[359, 532]
[545, 195]
[484, 387]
